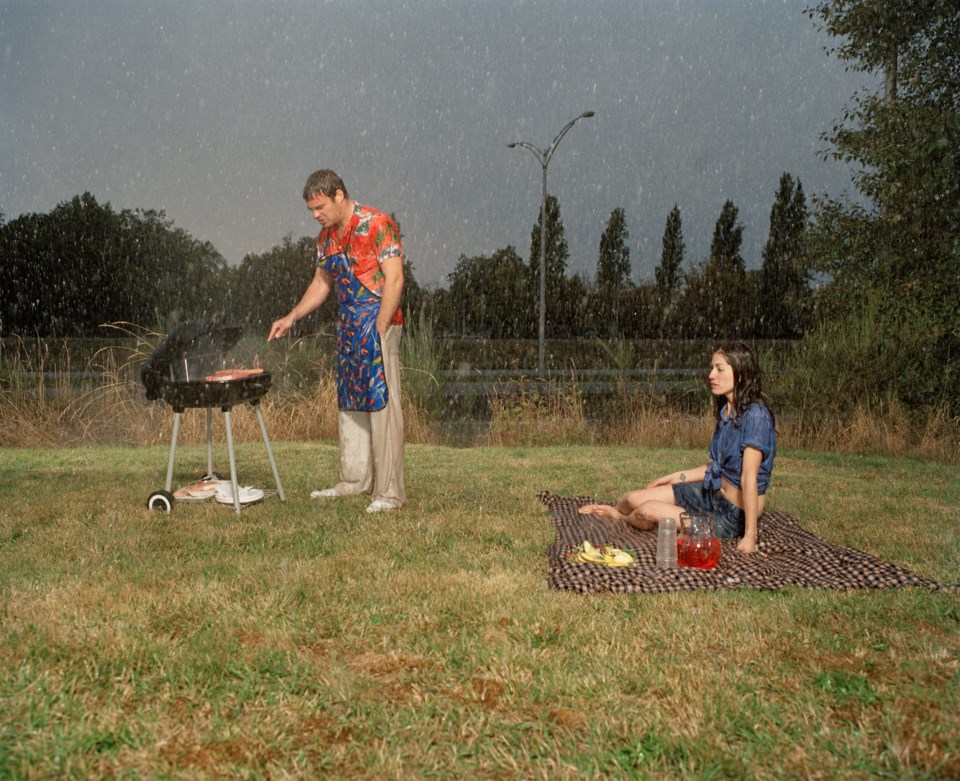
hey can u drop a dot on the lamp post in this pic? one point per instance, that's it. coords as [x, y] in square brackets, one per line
[543, 156]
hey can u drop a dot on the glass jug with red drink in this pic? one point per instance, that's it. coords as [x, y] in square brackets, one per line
[696, 545]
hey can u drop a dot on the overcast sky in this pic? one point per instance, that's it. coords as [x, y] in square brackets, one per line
[215, 112]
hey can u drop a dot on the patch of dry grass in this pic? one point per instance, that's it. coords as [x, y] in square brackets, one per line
[537, 417]
[48, 401]
[880, 426]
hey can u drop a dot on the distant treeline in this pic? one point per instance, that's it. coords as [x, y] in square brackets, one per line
[83, 265]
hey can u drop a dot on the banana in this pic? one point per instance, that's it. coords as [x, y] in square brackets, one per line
[620, 559]
[607, 555]
[593, 557]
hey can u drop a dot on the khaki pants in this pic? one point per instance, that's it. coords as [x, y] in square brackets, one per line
[371, 443]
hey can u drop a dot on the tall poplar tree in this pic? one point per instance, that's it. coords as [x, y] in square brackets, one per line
[725, 257]
[722, 290]
[784, 288]
[671, 258]
[613, 269]
[557, 254]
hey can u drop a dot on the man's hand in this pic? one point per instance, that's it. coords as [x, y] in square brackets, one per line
[315, 295]
[280, 327]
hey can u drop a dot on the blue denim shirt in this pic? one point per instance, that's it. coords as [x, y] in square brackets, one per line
[755, 430]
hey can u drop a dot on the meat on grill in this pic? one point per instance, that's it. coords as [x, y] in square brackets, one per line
[181, 370]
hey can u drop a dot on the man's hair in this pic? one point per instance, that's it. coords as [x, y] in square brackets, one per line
[324, 182]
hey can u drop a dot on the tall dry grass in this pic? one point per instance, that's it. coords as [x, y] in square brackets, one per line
[530, 416]
[876, 426]
[48, 400]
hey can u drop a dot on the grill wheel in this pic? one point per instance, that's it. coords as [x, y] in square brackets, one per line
[161, 500]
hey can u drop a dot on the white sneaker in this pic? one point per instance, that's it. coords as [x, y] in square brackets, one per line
[380, 505]
[326, 493]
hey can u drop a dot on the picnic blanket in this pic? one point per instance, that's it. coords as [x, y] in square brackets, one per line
[787, 555]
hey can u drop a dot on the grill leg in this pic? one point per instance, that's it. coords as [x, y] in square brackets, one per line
[209, 442]
[173, 449]
[273, 462]
[233, 461]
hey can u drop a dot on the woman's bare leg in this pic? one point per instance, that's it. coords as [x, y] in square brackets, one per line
[647, 515]
[632, 507]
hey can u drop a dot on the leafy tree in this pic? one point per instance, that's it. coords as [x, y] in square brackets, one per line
[266, 286]
[83, 265]
[180, 277]
[642, 313]
[24, 300]
[443, 311]
[557, 255]
[473, 294]
[613, 269]
[725, 254]
[485, 292]
[784, 287]
[897, 249]
[506, 291]
[465, 279]
[414, 298]
[575, 311]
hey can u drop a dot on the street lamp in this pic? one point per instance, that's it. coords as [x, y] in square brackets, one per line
[544, 155]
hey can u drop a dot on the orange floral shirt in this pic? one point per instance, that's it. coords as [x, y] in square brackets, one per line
[371, 238]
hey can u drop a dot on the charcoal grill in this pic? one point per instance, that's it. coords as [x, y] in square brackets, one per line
[177, 372]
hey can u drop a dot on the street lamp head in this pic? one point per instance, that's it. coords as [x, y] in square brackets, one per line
[511, 146]
[586, 114]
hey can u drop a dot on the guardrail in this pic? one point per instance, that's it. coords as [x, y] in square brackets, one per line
[512, 382]
[72, 375]
[569, 373]
[467, 382]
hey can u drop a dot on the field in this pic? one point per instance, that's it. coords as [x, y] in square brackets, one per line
[311, 640]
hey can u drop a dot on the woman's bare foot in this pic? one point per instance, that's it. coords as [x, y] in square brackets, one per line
[603, 510]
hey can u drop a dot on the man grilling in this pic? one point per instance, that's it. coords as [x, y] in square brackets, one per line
[359, 252]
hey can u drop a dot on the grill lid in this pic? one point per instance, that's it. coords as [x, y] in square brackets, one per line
[192, 350]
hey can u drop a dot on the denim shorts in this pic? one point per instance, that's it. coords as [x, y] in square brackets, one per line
[728, 519]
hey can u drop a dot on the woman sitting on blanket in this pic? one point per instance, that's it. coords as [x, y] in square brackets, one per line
[733, 484]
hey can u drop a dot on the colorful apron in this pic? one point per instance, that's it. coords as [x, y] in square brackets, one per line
[361, 381]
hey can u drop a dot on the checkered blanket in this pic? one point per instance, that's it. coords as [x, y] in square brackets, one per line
[788, 555]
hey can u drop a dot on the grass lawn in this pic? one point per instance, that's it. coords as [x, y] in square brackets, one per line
[311, 640]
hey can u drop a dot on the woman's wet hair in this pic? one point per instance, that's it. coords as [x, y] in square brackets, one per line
[747, 378]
